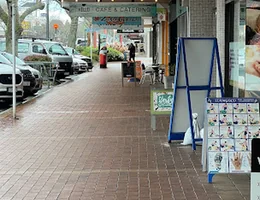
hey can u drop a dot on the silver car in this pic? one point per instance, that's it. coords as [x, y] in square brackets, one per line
[54, 50]
[20, 63]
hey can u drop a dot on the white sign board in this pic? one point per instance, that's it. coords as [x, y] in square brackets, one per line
[198, 57]
[255, 186]
[113, 9]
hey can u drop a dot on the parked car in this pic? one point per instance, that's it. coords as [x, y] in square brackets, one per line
[29, 81]
[79, 66]
[6, 87]
[75, 54]
[54, 50]
[20, 63]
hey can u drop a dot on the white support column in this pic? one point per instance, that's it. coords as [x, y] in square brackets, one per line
[14, 61]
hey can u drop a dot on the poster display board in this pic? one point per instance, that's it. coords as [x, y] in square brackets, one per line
[128, 71]
[161, 102]
[192, 84]
[230, 126]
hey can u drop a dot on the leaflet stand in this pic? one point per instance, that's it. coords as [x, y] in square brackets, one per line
[192, 84]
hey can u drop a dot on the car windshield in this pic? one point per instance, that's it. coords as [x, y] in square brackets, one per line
[55, 49]
[10, 57]
[69, 50]
[4, 60]
[23, 47]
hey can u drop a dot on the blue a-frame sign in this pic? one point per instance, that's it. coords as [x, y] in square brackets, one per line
[195, 64]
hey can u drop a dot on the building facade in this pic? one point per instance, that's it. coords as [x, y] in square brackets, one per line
[227, 20]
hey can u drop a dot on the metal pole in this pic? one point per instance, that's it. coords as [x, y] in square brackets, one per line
[47, 20]
[91, 41]
[14, 61]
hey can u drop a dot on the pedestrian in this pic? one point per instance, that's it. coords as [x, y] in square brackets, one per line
[131, 52]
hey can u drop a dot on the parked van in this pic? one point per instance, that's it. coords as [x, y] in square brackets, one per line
[54, 50]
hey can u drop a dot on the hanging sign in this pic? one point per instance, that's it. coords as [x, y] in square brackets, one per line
[130, 31]
[117, 22]
[113, 10]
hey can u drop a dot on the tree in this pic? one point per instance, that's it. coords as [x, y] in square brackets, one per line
[6, 17]
[73, 30]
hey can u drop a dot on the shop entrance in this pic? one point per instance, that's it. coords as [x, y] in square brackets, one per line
[229, 37]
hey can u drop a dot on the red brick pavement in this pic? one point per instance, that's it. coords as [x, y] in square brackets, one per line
[91, 139]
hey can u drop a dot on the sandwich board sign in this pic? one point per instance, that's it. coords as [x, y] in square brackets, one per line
[192, 84]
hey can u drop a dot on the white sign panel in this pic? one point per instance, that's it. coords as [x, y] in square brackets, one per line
[255, 186]
[113, 10]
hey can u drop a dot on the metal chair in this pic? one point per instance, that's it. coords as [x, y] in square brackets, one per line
[145, 73]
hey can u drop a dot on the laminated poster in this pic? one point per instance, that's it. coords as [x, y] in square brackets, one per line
[239, 162]
[212, 108]
[218, 161]
[241, 145]
[213, 132]
[239, 108]
[232, 123]
[240, 119]
[241, 132]
[253, 118]
[213, 119]
[225, 108]
[254, 132]
[213, 145]
[227, 145]
[225, 119]
[226, 132]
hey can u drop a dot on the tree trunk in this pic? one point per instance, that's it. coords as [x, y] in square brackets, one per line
[73, 31]
[6, 17]
[8, 33]
[89, 34]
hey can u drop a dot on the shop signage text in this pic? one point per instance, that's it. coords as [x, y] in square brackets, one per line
[112, 10]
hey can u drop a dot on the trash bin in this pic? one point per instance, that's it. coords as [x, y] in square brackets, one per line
[103, 57]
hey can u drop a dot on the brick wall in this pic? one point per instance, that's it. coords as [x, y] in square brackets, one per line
[202, 20]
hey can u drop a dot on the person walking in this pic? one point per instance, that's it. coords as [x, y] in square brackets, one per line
[131, 52]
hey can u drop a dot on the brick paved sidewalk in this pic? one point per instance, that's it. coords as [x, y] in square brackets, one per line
[91, 139]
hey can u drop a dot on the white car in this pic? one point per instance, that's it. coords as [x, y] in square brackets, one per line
[6, 88]
[79, 66]
[75, 54]
[37, 75]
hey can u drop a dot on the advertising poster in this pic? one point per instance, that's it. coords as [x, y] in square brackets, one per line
[232, 123]
[252, 63]
[161, 101]
[117, 22]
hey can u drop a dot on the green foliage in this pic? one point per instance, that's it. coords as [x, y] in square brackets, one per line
[86, 52]
[113, 54]
[38, 58]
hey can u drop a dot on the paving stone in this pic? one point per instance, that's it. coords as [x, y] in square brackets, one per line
[92, 139]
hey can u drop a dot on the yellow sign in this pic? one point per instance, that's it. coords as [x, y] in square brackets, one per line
[26, 25]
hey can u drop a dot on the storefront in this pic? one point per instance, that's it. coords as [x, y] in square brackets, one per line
[242, 35]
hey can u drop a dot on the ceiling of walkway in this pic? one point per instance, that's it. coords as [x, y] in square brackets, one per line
[132, 1]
